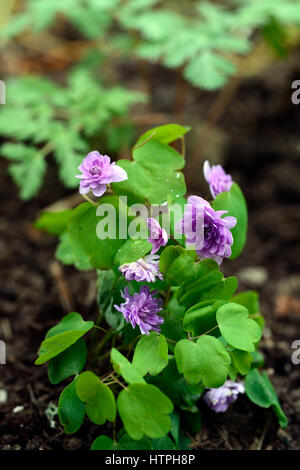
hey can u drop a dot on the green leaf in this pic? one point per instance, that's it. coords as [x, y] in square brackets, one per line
[127, 443]
[60, 337]
[131, 251]
[172, 328]
[65, 254]
[172, 384]
[99, 400]
[28, 173]
[105, 283]
[151, 354]
[69, 148]
[180, 268]
[209, 70]
[123, 367]
[69, 362]
[156, 165]
[144, 410]
[82, 229]
[163, 443]
[260, 391]
[168, 256]
[234, 202]
[202, 317]
[71, 411]
[223, 290]
[241, 361]
[206, 360]
[197, 290]
[156, 156]
[54, 223]
[124, 443]
[166, 134]
[237, 329]
[103, 443]
[248, 299]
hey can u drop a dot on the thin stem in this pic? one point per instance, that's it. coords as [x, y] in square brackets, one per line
[120, 383]
[104, 340]
[112, 382]
[174, 240]
[46, 149]
[107, 375]
[206, 333]
[100, 328]
[170, 340]
[144, 141]
[89, 199]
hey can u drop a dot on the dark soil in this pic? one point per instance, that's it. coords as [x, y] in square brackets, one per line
[260, 146]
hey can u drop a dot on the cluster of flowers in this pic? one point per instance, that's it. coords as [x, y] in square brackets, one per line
[141, 309]
[97, 172]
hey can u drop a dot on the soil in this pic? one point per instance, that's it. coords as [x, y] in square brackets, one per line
[260, 146]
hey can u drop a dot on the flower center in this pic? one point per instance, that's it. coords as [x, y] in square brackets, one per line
[95, 170]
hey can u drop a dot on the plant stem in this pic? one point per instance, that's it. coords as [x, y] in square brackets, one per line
[103, 342]
[174, 240]
[206, 333]
[88, 199]
[100, 328]
[144, 141]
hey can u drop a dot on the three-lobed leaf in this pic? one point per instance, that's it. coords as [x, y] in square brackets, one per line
[205, 360]
[123, 367]
[236, 328]
[99, 400]
[144, 410]
[151, 354]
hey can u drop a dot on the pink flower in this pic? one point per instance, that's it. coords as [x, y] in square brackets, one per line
[144, 269]
[207, 229]
[158, 236]
[217, 179]
[98, 172]
[141, 309]
[218, 399]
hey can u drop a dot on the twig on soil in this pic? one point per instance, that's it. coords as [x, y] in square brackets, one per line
[258, 443]
[31, 394]
[224, 436]
[65, 295]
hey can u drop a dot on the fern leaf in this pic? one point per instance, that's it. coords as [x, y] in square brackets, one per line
[29, 171]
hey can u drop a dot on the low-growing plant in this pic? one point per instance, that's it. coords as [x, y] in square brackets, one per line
[171, 328]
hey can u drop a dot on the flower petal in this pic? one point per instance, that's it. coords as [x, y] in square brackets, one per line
[118, 174]
[99, 190]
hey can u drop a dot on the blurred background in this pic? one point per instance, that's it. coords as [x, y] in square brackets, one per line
[95, 74]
